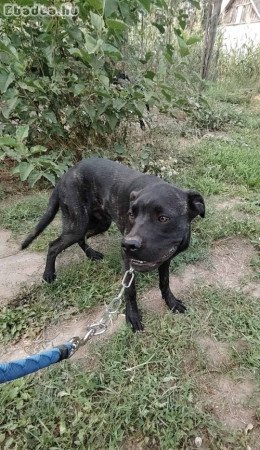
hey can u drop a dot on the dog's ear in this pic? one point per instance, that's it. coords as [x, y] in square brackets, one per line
[134, 195]
[196, 205]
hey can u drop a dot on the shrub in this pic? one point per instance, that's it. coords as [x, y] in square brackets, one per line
[56, 80]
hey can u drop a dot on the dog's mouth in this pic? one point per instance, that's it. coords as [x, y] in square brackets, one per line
[146, 266]
[143, 266]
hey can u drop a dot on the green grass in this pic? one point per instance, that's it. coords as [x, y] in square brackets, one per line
[230, 93]
[225, 167]
[251, 206]
[221, 224]
[160, 404]
[80, 287]
[21, 217]
[2, 192]
[23, 214]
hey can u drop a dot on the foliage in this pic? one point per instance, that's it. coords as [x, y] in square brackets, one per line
[240, 64]
[57, 79]
[206, 117]
[32, 163]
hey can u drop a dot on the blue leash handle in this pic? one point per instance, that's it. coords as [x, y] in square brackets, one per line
[21, 367]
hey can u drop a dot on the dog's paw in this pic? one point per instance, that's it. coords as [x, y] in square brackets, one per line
[49, 277]
[94, 255]
[135, 322]
[178, 306]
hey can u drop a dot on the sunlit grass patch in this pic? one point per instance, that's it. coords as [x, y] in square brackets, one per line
[22, 215]
[224, 166]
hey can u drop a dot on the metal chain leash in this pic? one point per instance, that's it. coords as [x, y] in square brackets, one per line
[111, 311]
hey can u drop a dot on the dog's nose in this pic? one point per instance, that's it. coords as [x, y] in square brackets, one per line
[131, 244]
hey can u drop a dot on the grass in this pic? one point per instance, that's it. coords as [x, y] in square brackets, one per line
[231, 93]
[160, 403]
[224, 167]
[34, 308]
[157, 402]
[79, 288]
[21, 217]
[84, 285]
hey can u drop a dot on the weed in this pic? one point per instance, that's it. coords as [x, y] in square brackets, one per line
[212, 118]
[229, 92]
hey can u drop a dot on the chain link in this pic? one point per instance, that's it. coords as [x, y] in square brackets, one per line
[111, 311]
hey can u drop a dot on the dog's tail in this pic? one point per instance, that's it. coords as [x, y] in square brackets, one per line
[46, 219]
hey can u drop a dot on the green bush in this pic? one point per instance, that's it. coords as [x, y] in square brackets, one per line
[56, 80]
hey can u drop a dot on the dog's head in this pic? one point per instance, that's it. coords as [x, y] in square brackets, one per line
[158, 227]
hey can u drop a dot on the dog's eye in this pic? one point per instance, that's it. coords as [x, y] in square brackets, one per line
[163, 218]
[131, 215]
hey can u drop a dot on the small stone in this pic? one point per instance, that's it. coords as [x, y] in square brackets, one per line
[198, 441]
[249, 427]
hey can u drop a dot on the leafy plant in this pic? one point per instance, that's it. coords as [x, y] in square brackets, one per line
[57, 80]
[32, 163]
[209, 117]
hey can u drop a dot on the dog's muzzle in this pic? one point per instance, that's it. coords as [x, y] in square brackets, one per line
[132, 244]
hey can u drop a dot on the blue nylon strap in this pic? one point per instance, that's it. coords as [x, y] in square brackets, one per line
[21, 367]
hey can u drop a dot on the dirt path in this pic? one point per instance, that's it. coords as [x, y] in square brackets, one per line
[227, 266]
[16, 268]
[20, 268]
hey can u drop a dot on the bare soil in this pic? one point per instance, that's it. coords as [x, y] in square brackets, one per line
[20, 268]
[229, 399]
[218, 354]
[16, 268]
[227, 266]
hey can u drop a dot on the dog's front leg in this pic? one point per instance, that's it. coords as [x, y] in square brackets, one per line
[172, 302]
[132, 313]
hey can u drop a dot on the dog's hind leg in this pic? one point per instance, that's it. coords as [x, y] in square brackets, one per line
[92, 254]
[74, 229]
[98, 224]
[64, 241]
[172, 302]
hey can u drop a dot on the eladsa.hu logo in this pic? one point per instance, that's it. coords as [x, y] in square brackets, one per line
[65, 10]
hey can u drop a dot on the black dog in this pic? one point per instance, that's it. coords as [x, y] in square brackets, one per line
[153, 216]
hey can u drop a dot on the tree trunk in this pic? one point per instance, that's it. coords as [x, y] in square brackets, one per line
[213, 13]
